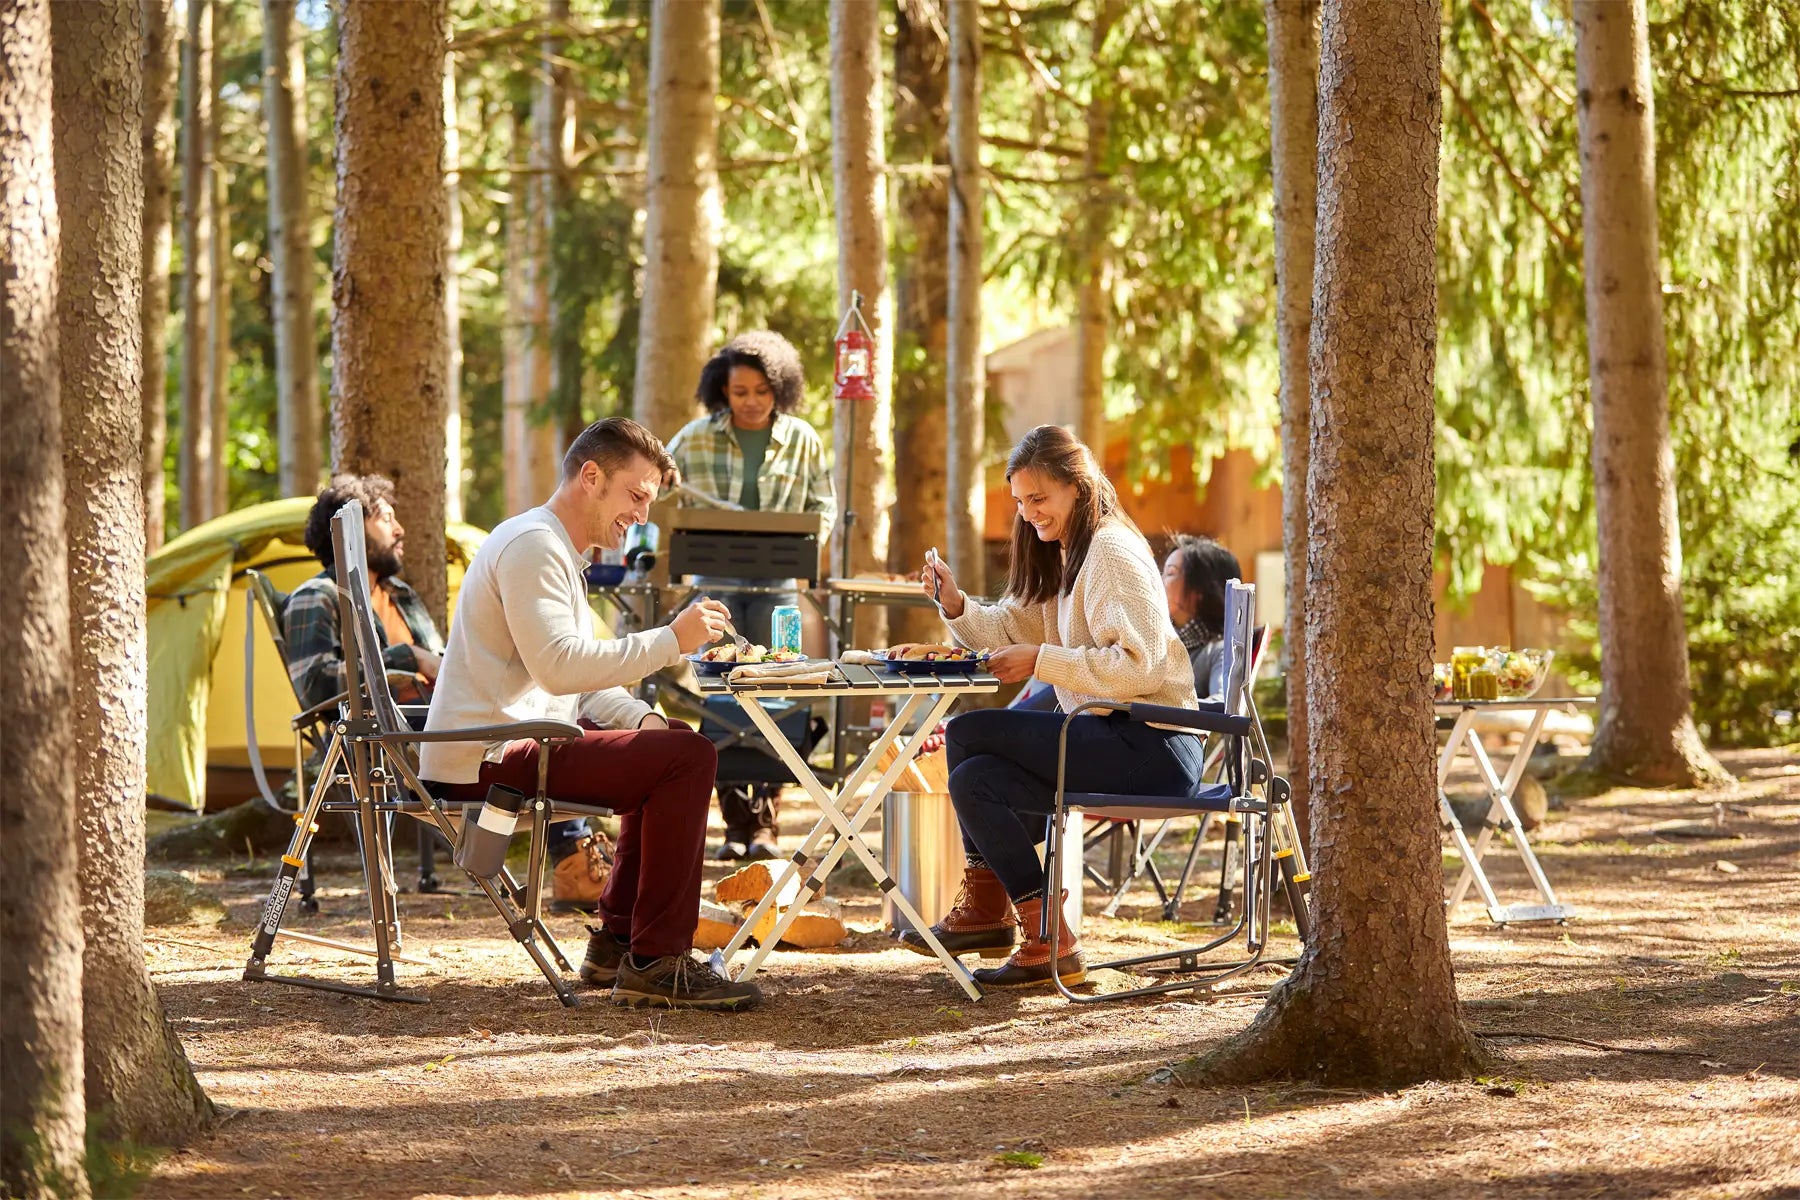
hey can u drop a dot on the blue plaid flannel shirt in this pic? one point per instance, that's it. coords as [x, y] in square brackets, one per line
[316, 653]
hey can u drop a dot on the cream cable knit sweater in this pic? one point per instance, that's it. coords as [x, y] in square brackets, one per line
[1109, 638]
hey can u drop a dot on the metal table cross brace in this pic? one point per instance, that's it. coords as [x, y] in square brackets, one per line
[930, 695]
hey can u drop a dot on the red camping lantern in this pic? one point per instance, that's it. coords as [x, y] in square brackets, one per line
[854, 377]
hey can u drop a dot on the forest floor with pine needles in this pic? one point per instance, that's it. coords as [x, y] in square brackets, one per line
[867, 1073]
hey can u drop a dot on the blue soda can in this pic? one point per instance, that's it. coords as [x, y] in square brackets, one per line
[784, 629]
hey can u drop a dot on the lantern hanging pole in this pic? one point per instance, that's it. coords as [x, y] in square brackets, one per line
[849, 328]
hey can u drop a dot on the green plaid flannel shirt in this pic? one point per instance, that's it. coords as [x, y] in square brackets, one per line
[316, 653]
[794, 475]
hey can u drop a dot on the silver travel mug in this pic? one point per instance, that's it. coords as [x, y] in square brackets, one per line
[481, 851]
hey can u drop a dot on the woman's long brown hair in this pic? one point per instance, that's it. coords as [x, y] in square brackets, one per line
[1041, 570]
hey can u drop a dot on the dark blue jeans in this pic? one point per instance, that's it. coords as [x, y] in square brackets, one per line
[1003, 778]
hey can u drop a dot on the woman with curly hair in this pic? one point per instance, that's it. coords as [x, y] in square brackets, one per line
[752, 452]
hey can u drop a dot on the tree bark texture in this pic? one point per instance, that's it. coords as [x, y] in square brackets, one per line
[1646, 729]
[535, 348]
[862, 431]
[219, 369]
[1093, 296]
[967, 492]
[199, 456]
[681, 235]
[453, 241]
[41, 1111]
[921, 296]
[138, 1078]
[389, 354]
[516, 392]
[290, 246]
[1293, 34]
[161, 70]
[1373, 1000]
[555, 122]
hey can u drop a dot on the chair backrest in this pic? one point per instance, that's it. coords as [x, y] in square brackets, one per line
[1237, 655]
[363, 669]
[272, 602]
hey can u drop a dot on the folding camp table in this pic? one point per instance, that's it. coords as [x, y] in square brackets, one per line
[1459, 716]
[926, 700]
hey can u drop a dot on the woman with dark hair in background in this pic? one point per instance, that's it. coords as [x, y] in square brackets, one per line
[1195, 575]
[752, 452]
[1085, 611]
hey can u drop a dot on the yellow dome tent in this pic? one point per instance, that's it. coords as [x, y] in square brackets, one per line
[197, 606]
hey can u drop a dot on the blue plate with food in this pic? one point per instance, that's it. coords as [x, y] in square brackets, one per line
[718, 660]
[933, 658]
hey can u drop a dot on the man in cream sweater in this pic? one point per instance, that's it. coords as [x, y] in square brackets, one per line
[522, 646]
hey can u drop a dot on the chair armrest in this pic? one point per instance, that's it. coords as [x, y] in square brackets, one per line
[318, 712]
[543, 731]
[1188, 718]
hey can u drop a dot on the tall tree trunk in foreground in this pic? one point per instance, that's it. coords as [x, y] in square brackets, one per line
[1293, 27]
[389, 357]
[1373, 1000]
[199, 457]
[138, 1078]
[453, 240]
[862, 431]
[161, 68]
[290, 246]
[1646, 732]
[681, 237]
[41, 1112]
[1094, 220]
[921, 296]
[965, 384]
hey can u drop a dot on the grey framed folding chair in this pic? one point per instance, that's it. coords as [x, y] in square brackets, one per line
[366, 758]
[311, 728]
[1249, 790]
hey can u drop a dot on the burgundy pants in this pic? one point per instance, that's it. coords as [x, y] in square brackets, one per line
[659, 782]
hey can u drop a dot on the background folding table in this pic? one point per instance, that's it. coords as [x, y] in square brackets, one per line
[925, 699]
[1501, 815]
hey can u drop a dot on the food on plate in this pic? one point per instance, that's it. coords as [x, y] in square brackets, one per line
[929, 652]
[728, 652]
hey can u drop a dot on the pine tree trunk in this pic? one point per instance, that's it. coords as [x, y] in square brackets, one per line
[219, 380]
[390, 357]
[161, 70]
[515, 347]
[862, 431]
[967, 493]
[137, 1074]
[453, 240]
[567, 312]
[540, 421]
[290, 247]
[1373, 1000]
[199, 457]
[922, 297]
[681, 235]
[41, 1111]
[1293, 33]
[1646, 731]
[1094, 219]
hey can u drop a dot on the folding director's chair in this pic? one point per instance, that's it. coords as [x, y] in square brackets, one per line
[1258, 798]
[311, 728]
[365, 756]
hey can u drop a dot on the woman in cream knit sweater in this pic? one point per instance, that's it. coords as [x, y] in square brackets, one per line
[1085, 611]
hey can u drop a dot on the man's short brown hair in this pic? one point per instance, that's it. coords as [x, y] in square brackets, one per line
[612, 443]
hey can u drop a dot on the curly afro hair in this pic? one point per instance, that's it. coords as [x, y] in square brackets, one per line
[764, 350]
[369, 489]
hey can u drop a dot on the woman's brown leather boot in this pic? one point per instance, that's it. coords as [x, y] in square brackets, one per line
[982, 919]
[1030, 964]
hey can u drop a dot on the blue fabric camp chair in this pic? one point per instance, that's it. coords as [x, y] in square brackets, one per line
[1248, 790]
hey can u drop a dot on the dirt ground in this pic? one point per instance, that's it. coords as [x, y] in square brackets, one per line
[868, 1073]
